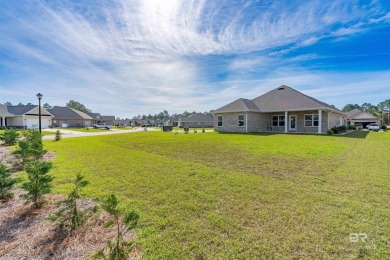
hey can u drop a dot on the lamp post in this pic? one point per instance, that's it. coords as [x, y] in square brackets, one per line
[39, 96]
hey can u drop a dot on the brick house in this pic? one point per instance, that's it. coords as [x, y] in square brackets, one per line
[283, 110]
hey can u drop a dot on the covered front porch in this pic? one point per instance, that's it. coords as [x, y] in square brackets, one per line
[313, 121]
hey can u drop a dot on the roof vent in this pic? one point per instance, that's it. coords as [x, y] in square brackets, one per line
[282, 87]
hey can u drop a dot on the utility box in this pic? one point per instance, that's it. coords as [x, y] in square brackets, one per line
[167, 128]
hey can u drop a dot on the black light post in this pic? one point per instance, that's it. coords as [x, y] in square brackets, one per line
[39, 96]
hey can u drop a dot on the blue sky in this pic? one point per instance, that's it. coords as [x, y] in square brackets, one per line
[134, 57]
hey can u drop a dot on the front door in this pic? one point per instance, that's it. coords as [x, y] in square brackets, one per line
[292, 122]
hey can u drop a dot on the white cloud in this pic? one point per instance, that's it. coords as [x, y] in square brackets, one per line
[130, 57]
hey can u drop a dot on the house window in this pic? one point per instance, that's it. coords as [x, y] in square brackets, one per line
[219, 121]
[311, 120]
[241, 120]
[278, 120]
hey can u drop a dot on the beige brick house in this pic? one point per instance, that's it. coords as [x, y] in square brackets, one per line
[281, 110]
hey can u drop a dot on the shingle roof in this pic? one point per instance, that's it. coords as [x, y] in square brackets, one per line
[4, 111]
[197, 117]
[357, 114]
[68, 113]
[282, 98]
[353, 112]
[285, 98]
[20, 110]
[94, 115]
[108, 118]
[240, 105]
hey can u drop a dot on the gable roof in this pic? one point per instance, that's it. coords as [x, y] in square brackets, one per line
[68, 113]
[239, 105]
[4, 111]
[95, 115]
[108, 118]
[282, 98]
[20, 110]
[357, 114]
[197, 117]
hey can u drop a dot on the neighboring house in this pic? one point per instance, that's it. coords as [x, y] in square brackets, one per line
[69, 117]
[173, 121]
[280, 110]
[196, 120]
[109, 120]
[357, 116]
[97, 118]
[24, 117]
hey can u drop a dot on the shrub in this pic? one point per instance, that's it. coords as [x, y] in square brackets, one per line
[342, 128]
[39, 182]
[58, 135]
[124, 222]
[6, 183]
[351, 127]
[329, 132]
[69, 215]
[384, 127]
[9, 137]
[29, 149]
[335, 130]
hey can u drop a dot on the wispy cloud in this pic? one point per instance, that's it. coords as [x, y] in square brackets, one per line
[142, 56]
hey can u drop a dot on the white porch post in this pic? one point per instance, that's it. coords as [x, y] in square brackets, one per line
[319, 121]
[285, 121]
[246, 122]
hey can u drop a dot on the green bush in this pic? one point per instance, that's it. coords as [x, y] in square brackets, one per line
[6, 183]
[329, 132]
[351, 127]
[384, 127]
[9, 137]
[58, 135]
[335, 130]
[39, 182]
[342, 128]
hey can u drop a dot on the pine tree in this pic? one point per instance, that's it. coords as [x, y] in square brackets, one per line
[39, 182]
[124, 222]
[58, 136]
[6, 183]
[69, 215]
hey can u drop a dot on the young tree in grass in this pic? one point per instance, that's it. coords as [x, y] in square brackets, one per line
[39, 182]
[58, 136]
[9, 137]
[6, 183]
[124, 222]
[69, 215]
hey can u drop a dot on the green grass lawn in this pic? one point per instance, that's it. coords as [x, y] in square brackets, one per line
[83, 129]
[237, 196]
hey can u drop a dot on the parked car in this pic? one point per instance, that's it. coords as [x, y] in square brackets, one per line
[359, 126]
[373, 126]
[102, 126]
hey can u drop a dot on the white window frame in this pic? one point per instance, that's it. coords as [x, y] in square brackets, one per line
[312, 120]
[219, 121]
[238, 120]
[279, 120]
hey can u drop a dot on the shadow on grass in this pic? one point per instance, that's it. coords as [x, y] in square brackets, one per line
[354, 134]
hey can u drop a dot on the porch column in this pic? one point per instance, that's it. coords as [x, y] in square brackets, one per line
[285, 121]
[319, 121]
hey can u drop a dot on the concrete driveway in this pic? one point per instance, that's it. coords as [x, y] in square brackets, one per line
[71, 134]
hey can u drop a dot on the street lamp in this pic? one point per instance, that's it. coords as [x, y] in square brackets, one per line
[39, 96]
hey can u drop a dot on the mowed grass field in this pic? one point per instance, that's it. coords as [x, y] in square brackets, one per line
[241, 196]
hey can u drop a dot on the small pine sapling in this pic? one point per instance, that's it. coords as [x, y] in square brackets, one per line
[9, 137]
[39, 182]
[69, 215]
[124, 222]
[6, 183]
[58, 136]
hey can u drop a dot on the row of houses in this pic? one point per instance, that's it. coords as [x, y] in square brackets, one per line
[196, 120]
[27, 116]
[283, 109]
